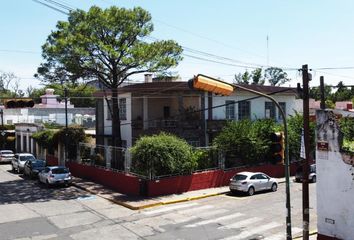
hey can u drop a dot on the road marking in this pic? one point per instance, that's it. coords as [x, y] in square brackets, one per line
[166, 209]
[215, 220]
[195, 209]
[242, 223]
[255, 230]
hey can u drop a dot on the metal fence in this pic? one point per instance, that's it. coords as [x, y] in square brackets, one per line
[115, 158]
[119, 159]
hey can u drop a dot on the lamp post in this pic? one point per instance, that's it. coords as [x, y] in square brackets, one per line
[210, 84]
[2, 128]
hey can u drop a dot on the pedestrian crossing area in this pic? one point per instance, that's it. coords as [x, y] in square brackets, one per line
[216, 223]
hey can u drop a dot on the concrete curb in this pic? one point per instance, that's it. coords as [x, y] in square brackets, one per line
[150, 205]
[310, 234]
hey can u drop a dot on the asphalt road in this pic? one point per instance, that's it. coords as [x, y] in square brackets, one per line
[29, 210]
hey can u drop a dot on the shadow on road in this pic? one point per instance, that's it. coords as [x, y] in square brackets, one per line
[25, 190]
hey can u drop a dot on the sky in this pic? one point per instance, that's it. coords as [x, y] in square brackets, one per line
[233, 33]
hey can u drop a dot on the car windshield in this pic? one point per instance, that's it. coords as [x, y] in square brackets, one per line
[25, 158]
[239, 177]
[6, 152]
[38, 163]
[60, 170]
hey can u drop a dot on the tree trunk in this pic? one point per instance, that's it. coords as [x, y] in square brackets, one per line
[116, 131]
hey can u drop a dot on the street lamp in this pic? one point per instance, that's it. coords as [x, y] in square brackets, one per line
[2, 128]
[206, 83]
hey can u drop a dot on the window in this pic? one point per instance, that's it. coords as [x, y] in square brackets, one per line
[123, 108]
[283, 107]
[269, 110]
[244, 110]
[230, 110]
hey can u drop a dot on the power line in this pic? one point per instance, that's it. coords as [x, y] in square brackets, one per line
[52, 7]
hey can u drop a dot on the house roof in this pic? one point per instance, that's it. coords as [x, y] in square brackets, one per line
[163, 87]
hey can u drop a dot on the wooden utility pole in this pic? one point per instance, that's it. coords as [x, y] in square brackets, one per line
[305, 175]
[322, 91]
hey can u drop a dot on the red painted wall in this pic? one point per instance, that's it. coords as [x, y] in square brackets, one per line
[131, 185]
[51, 160]
[120, 182]
[208, 179]
[324, 237]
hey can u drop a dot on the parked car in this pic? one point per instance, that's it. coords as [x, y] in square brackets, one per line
[55, 175]
[18, 161]
[6, 156]
[312, 174]
[251, 182]
[33, 167]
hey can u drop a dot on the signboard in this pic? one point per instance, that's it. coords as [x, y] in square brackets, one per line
[322, 146]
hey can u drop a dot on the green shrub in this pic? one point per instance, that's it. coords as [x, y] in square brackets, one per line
[45, 139]
[161, 155]
[245, 142]
[206, 158]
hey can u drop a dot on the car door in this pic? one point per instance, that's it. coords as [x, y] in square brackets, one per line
[266, 184]
[255, 182]
[43, 175]
[262, 181]
[15, 161]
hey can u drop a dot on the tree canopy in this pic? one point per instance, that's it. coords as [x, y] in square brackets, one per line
[80, 95]
[275, 77]
[108, 45]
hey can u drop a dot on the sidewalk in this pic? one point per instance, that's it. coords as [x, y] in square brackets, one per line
[139, 202]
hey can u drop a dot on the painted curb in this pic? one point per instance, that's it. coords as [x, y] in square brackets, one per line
[160, 203]
[314, 232]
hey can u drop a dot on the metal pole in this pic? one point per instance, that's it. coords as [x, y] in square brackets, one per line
[66, 124]
[2, 128]
[287, 171]
[305, 177]
[322, 91]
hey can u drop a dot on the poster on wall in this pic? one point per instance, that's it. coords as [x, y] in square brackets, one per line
[335, 134]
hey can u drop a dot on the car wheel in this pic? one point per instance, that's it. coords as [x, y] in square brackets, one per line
[250, 191]
[233, 191]
[274, 187]
[313, 179]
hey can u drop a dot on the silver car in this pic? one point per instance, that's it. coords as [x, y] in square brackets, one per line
[251, 182]
[55, 175]
[19, 160]
[312, 174]
[6, 156]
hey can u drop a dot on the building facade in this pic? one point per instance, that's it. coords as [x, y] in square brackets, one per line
[152, 107]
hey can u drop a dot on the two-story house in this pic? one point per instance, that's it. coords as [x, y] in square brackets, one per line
[171, 106]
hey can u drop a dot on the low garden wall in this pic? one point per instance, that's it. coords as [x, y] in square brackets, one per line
[208, 179]
[132, 185]
[51, 160]
[118, 181]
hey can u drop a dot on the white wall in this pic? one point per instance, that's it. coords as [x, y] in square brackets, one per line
[335, 184]
[126, 129]
[257, 105]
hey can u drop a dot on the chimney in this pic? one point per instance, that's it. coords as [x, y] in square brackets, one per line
[148, 77]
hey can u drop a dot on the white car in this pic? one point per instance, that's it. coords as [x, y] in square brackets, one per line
[251, 182]
[6, 156]
[19, 160]
[55, 175]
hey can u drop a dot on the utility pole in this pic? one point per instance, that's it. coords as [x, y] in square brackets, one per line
[305, 178]
[322, 91]
[2, 128]
[66, 125]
